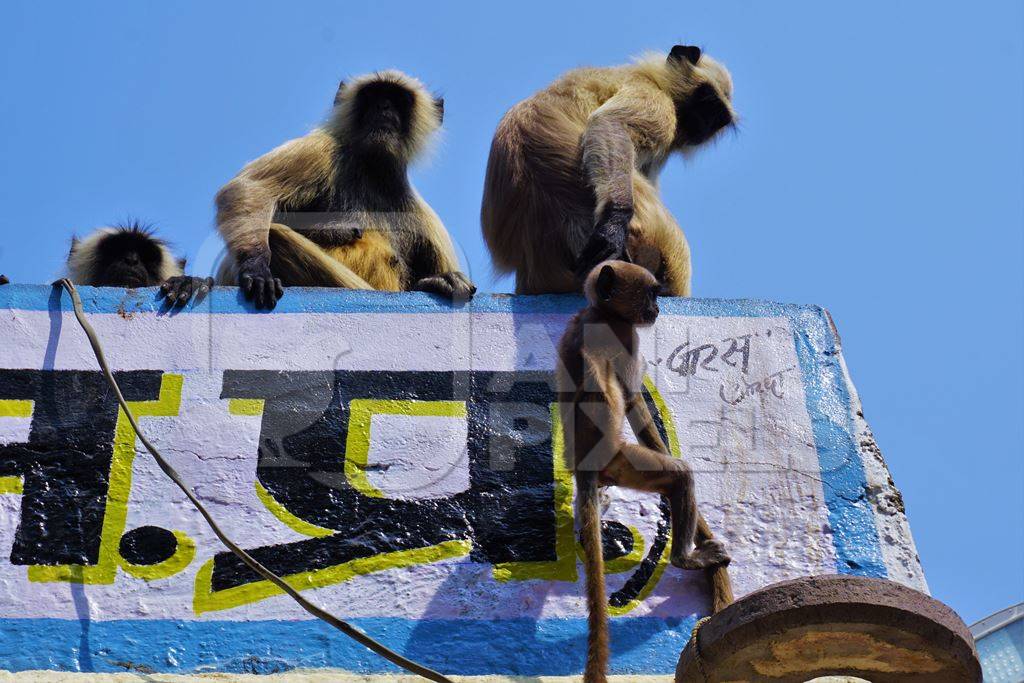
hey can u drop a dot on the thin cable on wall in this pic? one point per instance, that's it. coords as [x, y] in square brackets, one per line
[249, 560]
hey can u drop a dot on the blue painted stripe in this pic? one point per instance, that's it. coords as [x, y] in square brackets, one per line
[320, 300]
[526, 647]
[844, 481]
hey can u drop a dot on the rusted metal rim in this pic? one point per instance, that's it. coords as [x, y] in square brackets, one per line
[794, 631]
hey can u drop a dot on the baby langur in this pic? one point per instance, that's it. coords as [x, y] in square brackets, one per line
[132, 256]
[572, 177]
[335, 208]
[600, 378]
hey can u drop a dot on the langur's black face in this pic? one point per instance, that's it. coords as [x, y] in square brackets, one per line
[627, 291]
[702, 115]
[383, 113]
[128, 259]
[649, 309]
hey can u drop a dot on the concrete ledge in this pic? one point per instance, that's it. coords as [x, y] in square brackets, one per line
[319, 677]
[398, 458]
[292, 677]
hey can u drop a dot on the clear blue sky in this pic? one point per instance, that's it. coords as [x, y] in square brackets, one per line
[878, 172]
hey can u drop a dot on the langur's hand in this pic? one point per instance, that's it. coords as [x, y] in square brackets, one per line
[453, 285]
[608, 241]
[258, 284]
[179, 290]
[337, 235]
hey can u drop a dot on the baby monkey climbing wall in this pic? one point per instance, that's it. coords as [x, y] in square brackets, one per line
[400, 460]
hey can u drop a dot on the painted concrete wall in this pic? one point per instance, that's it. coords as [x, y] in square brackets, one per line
[399, 459]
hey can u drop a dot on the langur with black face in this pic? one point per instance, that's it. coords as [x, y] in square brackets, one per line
[335, 208]
[573, 170]
[600, 379]
[132, 256]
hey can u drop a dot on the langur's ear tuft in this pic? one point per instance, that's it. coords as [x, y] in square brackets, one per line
[690, 53]
[337, 93]
[181, 264]
[74, 245]
[439, 106]
[605, 282]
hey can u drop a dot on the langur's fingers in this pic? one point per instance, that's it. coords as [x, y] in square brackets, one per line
[246, 283]
[204, 289]
[169, 288]
[471, 288]
[462, 288]
[270, 294]
[170, 294]
[257, 291]
[263, 294]
[184, 292]
[278, 287]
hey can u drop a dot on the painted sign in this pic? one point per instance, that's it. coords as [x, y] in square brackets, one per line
[399, 459]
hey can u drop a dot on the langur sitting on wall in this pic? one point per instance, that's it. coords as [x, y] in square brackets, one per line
[573, 170]
[335, 208]
[132, 256]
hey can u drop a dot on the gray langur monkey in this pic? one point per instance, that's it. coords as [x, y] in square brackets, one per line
[599, 380]
[131, 255]
[573, 170]
[335, 208]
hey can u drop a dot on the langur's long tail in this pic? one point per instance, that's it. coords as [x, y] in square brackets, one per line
[597, 601]
[721, 585]
[300, 262]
